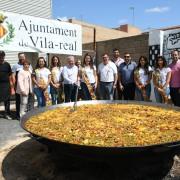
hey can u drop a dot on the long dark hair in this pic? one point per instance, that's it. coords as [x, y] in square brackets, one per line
[91, 60]
[37, 65]
[146, 65]
[52, 61]
[163, 59]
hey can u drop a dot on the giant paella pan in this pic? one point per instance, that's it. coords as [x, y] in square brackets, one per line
[132, 134]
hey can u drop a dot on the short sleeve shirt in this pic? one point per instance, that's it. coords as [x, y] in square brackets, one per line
[107, 71]
[17, 67]
[127, 72]
[175, 76]
[118, 62]
[163, 74]
[5, 72]
[42, 73]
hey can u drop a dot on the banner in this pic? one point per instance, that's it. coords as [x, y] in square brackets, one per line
[171, 42]
[31, 34]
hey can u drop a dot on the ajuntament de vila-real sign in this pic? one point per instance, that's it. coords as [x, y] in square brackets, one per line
[31, 34]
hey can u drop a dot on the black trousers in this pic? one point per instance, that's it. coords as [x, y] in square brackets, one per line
[129, 91]
[7, 106]
[175, 96]
[84, 92]
[18, 101]
[70, 92]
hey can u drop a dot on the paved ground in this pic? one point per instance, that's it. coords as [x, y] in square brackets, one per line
[10, 130]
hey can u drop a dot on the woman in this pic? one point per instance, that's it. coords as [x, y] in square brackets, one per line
[161, 80]
[24, 86]
[41, 79]
[89, 78]
[56, 87]
[142, 78]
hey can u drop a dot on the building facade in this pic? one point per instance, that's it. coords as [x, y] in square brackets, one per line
[40, 8]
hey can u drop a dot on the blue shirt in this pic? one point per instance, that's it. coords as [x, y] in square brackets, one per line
[127, 72]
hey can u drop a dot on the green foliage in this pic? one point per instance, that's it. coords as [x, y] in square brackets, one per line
[10, 35]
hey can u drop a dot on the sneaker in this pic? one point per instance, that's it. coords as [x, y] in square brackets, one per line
[7, 117]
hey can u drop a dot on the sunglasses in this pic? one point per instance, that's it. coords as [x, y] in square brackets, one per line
[126, 56]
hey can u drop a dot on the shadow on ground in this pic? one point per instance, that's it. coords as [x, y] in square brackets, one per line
[12, 115]
[31, 161]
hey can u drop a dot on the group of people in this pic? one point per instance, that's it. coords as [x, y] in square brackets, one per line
[130, 80]
[113, 79]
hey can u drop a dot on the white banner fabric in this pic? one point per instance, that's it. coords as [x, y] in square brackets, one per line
[31, 34]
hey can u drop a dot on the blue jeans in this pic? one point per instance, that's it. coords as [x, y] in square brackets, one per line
[139, 92]
[158, 95]
[40, 97]
[56, 95]
[106, 90]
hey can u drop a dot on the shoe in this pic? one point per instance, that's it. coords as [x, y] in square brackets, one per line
[17, 118]
[7, 117]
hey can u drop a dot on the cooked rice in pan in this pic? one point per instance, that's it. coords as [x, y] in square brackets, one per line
[108, 125]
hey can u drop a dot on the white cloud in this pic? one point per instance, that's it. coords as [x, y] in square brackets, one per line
[122, 21]
[157, 9]
[62, 18]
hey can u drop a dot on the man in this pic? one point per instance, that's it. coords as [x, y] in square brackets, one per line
[107, 74]
[126, 77]
[116, 57]
[117, 61]
[70, 76]
[175, 78]
[5, 73]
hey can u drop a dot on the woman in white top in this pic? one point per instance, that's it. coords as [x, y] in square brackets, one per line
[89, 78]
[142, 78]
[161, 80]
[56, 86]
[41, 79]
[24, 86]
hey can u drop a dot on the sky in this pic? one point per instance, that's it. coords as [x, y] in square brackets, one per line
[145, 14]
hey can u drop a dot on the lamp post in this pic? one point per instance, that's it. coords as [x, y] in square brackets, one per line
[133, 18]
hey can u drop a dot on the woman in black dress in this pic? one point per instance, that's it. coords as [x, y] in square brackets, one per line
[5, 72]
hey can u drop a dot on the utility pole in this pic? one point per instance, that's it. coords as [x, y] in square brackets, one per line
[133, 18]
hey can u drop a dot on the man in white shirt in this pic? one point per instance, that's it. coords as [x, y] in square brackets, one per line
[107, 74]
[70, 76]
